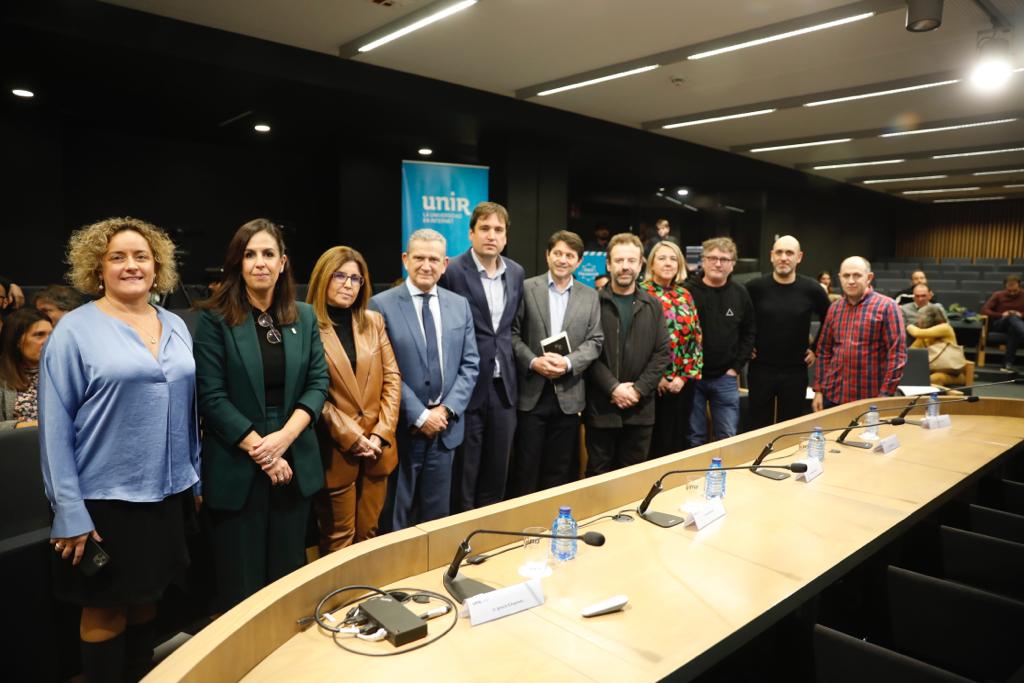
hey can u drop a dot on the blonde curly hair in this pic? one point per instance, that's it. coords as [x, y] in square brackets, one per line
[88, 245]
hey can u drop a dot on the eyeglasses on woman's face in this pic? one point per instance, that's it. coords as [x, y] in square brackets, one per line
[341, 278]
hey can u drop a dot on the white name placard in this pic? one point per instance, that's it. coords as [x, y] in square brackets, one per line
[937, 422]
[504, 601]
[814, 468]
[888, 444]
[700, 514]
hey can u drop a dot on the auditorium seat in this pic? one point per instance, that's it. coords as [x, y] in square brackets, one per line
[1012, 494]
[956, 259]
[916, 373]
[965, 630]
[839, 658]
[21, 486]
[991, 261]
[996, 523]
[985, 562]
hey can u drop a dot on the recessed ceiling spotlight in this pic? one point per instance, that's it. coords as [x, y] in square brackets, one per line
[945, 128]
[21, 92]
[425, 151]
[798, 145]
[261, 128]
[713, 119]
[945, 189]
[924, 15]
[682, 192]
[978, 154]
[852, 164]
[993, 69]
[876, 181]
[781, 36]
[661, 189]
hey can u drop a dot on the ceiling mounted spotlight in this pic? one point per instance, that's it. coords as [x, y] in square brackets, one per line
[994, 68]
[425, 151]
[924, 15]
[22, 92]
[682, 192]
[261, 128]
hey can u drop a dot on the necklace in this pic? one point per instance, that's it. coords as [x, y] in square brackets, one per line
[146, 335]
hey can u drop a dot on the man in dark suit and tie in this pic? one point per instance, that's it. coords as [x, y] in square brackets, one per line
[431, 332]
[493, 285]
[551, 386]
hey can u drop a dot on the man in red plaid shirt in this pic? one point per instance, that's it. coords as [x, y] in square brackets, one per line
[861, 348]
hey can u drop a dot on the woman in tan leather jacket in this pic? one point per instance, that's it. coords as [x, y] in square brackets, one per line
[357, 427]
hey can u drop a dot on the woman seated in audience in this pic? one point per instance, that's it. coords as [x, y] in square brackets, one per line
[665, 274]
[262, 381]
[21, 346]
[119, 443]
[56, 300]
[357, 427]
[825, 280]
[933, 328]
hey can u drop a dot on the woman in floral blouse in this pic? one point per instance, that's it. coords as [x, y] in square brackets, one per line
[664, 277]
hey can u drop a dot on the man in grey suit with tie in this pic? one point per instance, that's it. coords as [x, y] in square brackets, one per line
[431, 332]
[551, 389]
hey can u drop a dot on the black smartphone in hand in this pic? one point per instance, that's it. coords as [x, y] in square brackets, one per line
[94, 558]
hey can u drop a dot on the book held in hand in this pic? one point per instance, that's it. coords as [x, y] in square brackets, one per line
[557, 343]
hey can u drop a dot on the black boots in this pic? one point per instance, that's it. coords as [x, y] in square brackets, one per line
[104, 662]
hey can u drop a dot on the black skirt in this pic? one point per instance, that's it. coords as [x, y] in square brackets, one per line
[147, 549]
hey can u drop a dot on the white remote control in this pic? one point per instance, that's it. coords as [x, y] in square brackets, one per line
[612, 604]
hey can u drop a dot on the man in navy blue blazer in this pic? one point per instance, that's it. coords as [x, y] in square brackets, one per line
[493, 285]
[431, 332]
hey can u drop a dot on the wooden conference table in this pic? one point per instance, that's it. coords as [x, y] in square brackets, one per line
[694, 596]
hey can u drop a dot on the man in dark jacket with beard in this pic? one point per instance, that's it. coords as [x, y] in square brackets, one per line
[727, 320]
[623, 381]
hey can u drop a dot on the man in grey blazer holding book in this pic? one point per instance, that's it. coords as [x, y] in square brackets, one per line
[556, 335]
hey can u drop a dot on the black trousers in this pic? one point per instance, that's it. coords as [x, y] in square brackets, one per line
[672, 421]
[481, 463]
[768, 383]
[610, 449]
[545, 453]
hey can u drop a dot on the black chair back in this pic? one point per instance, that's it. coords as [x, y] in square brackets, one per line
[996, 523]
[25, 507]
[985, 562]
[839, 658]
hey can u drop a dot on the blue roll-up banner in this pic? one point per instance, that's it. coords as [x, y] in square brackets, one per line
[592, 265]
[441, 197]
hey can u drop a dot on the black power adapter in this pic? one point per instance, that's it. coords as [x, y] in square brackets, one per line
[401, 625]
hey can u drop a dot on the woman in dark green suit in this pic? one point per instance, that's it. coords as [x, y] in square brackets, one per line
[262, 380]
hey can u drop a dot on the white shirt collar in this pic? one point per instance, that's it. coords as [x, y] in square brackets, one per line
[416, 291]
[480, 266]
[551, 283]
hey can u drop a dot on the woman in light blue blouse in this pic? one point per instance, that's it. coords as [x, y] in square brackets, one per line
[119, 442]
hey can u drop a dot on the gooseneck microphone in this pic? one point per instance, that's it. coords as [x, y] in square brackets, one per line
[904, 410]
[961, 387]
[665, 520]
[462, 587]
[756, 467]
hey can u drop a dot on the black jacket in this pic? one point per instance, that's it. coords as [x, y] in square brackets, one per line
[727, 321]
[641, 358]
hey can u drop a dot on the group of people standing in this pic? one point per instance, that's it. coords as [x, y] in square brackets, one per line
[373, 413]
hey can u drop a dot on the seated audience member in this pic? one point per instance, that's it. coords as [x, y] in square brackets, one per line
[825, 280]
[119, 443]
[923, 296]
[56, 300]
[12, 298]
[357, 426]
[907, 295]
[600, 242]
[933, 328]
[1004, 309]
[601, 280]
[21, 345]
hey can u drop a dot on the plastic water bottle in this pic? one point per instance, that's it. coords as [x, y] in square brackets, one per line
[714, 486]
[563, 549]
[816, 445]
[933, 405]
[871, 420]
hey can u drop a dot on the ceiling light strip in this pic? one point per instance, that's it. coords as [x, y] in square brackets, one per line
[1014, 185]
[876, 181]
[881, 93]
[781, 36]
[978, 154]
[417, 25]
[1009, 170]
[966, 199]
[817, 143]
[859, 163]
[602, 79]
[945, 189]
[714, 119]
[944, 128]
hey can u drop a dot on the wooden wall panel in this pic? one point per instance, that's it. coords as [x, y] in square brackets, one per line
[976, 230]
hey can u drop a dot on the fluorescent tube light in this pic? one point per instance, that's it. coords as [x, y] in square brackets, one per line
[945, 189]
[1014, 185]
[880, 93]
[966, 199]
[665, 196]
[859, 163]
[978, 154]
[602, 79]
[1011, 170]
[690, 207]
[737, 209]
[781, 36]
[942, 128]
[800, 144]
[417, 25]
[903, 180]
[713, 119]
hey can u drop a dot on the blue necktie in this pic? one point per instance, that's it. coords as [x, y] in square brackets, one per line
[434, 381]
